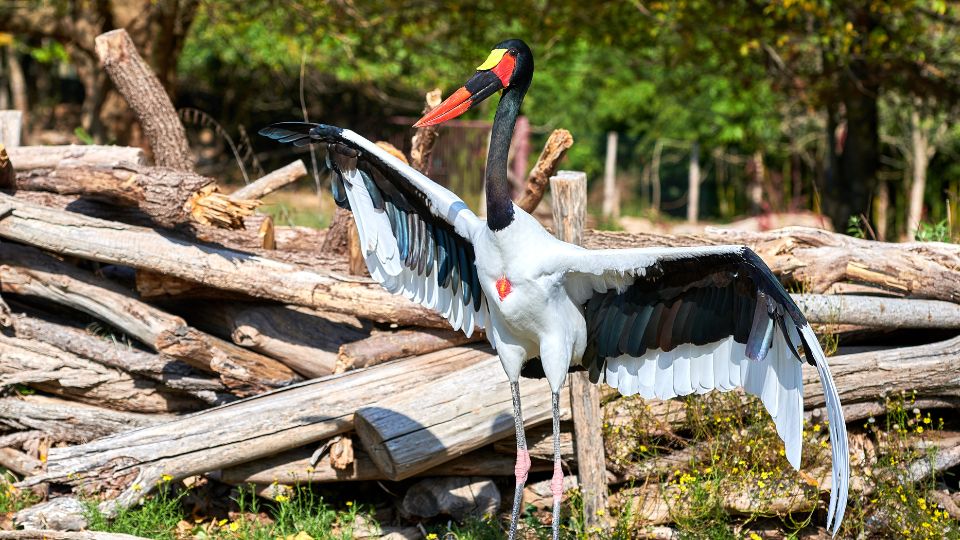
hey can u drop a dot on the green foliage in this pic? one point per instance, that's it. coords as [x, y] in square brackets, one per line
[156, 518]
[934, 232]
[14, 499]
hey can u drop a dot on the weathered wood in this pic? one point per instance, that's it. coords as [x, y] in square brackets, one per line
[210, 207]
[540, 444]
[553, 151]
[32, 273]
[305, 341]
[25, 158]
[47, 368]
[293, 468]
[425, 137]
[337, 235]
[569, 191]
[356, 263]
[878, 312]
[163, 194]
[242, 431]
[172, 374]
[416, 430]
[611, 197]
[271, 182]
[19, 462]
[69, 421]
[59, 513]
[126, 245]
[818, 259]
[140, 87]
[385, 346]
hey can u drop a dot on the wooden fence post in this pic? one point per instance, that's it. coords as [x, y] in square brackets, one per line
[569, 189]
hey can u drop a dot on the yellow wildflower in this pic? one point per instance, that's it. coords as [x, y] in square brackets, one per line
[281, 498]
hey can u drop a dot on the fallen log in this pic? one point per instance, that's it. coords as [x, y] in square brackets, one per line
[46, 534]
[128, 464]
[412, 431]
[876, 312]
[175, 375]
[115, 243]
[818, 260]
[19, 462]
[384, 346]
[47, 368]
[303, 341]
[25, 158]
[69, 421]
[294, 468]
[167, 197]
[30, 272]
[271, 182]
[135, 81]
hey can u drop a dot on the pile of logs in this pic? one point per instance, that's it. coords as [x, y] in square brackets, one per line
[154, 326]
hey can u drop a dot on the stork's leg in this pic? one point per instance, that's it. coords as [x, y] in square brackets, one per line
[556, 485]
[523, 460]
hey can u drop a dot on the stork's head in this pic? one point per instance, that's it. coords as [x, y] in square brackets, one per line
[509, 66]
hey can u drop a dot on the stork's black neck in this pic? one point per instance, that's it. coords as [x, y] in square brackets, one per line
[499, 202]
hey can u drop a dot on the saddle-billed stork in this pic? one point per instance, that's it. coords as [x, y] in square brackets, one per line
[659, 322]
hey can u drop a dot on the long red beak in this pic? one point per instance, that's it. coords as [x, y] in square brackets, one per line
[481, 86]
[458, 103]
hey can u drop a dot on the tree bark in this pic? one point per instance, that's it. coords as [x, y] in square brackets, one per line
[415, 430]
[425, 137]
[546, 166]
[876, 312]
[271, 182]
[239, 432]
[147, 97]
[294, 468]
[819, 260]
[168, 197]
[49, 369]
[31, 273]
[71, 234]
[305, 342]
[19, 462]
[384, 346]
[693, 184]
[26, 158]
[920, 155]
[70, 421]
[174, 375]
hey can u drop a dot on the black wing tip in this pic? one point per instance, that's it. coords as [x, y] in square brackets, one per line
[284, 130]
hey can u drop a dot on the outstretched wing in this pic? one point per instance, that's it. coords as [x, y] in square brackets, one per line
[676, 321]
[415, 235]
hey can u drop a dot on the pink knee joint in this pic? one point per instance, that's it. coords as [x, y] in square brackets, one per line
[522, 467]
[556, 485]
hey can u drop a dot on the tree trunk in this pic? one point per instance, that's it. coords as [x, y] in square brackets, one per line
[114, 243]
[174, 375]
[70, 421]
[147, 97]
[384, 346]
[425, 137]
[920, 159]
[611, 197]
[546, 166]
[412, 431]
[32, 273]
[50, 157]
[822, 260]
[693, 184]
[655, 176]
[132, 463]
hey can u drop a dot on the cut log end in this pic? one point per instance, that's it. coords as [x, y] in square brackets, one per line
[210, 207]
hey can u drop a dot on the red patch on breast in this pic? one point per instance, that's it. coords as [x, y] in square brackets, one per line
[503, 287]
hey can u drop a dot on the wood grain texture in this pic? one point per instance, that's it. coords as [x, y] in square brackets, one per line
[115, 243]
[69, 421]
[385, 346]
[272, 181]
[30, 272]
[413, 431]
[554, 149]
[253, 428]
[25, 158]
[140, 87]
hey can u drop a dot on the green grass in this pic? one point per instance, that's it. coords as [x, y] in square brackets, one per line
[299, 515]
[13, 499]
